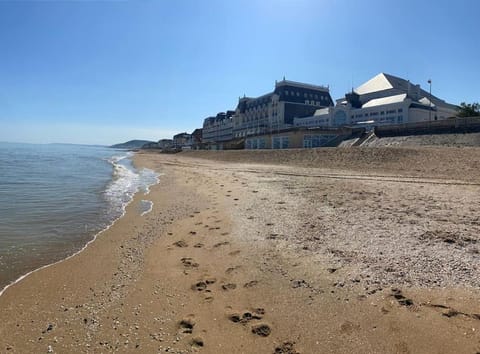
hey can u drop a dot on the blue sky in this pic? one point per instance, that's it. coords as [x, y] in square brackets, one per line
[101, 72]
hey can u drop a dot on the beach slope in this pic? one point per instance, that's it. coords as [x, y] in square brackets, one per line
[332, 251]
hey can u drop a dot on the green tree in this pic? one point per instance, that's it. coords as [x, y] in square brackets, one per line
[469, 109]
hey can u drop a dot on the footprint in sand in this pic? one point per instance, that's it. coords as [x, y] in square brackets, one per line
[286, 348]
[208, 299]
[197, 342]
[203, 284]
[262, 330]
[224, 243]
[200, 286]
[247, 316]
[180, 243]
[402, 300]
[230, 270]
[198, 245]
[189, 262]
[234, 253]
[187, 323]
[229, 286]
[250, 284]
[349, 328]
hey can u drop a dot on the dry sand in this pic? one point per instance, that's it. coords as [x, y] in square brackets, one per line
[306, 251]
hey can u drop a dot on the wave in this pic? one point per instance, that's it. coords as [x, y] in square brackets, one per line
[146, 207]
[126, 182]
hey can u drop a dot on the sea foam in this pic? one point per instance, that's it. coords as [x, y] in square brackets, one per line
[126, 181]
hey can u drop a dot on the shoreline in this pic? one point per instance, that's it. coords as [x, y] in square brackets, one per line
[94, 237]
[231, 260]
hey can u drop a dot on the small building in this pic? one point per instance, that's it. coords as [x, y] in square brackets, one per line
[165, 143]
[182, 140]
[217, 130]
[197, 140]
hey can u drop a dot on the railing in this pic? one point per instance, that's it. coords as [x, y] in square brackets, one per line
[446, 126]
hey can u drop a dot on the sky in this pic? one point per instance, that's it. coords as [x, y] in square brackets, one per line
[103, 72]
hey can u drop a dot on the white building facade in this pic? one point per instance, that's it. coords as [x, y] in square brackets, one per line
[383, 100]
[218, 128]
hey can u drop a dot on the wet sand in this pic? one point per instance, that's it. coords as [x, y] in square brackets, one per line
[289, 255]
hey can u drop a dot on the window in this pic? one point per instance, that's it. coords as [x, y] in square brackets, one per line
[313, 141]
[280, 142]
[382, 113]
[275, 142]
[286, 93]
[298, 94]
[400, 110]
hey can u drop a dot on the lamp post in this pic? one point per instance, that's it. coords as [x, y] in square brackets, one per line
[430, 101]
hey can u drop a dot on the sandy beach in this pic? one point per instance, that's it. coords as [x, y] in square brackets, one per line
[372, 250]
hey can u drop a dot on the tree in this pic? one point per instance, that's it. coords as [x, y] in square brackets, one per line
[469, 109]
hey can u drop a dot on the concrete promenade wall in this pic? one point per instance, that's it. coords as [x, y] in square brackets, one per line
[447, 126]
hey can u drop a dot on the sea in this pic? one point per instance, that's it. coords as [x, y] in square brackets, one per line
[56, 198]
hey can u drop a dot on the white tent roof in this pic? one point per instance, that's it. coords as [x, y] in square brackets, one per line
[425, 101]
[385, 100]
[378, 83]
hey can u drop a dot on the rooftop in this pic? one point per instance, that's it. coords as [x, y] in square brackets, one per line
[300, 84]
[385, 100]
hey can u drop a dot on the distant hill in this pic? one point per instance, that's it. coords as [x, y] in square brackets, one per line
[132, 144]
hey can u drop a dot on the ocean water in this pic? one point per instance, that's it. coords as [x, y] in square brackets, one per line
[56, 198]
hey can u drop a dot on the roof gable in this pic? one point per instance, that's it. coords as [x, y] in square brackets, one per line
[378, 83]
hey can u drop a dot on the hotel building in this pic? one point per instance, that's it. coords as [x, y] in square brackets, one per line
[277, 110]
[218, 128]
